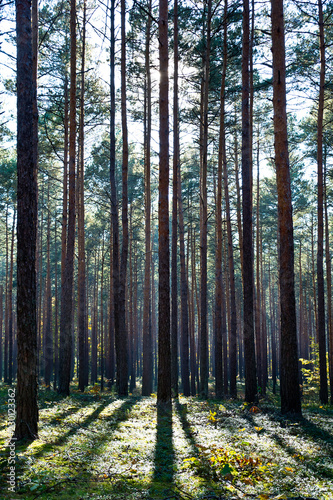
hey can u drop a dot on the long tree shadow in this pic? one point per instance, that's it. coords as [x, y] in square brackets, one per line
[120, 415]
[61, 439]
[164, 457]
[203, 468]
[81, 466]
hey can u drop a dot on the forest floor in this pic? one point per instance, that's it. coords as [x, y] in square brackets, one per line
[95, 445]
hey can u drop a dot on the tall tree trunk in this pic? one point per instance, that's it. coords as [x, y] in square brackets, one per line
[147, 375]
[174, 284]
[65, 185]
[185, 369]
[203, 213]
[26, 397]
[102, 317]
[114, 208]
[164, 349]
[258, 284]
[122, 361]
[289, 380]
[218, 254]
[249, 346]
[193, 350]
[48, 340]
[94, 323]
[10, 306]
[40, 276]
[329, 289]
[323, 391]
[56, 301]
[6, 299]
[81, 308]
[66, 318]
[231, 266]
[111, 356]
[264, 353]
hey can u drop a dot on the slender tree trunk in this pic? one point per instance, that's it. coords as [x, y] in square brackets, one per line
[153, 313]
[10, 306]
[329, 290]
[264, 353]
[94, 323]
[122, 361]
[185, 369]
[6, 299]
[111, 372]
[81, 308]
[231, 266]
[147, 376]
[131, 329]
[249, 345]
[48, 340]
[218, 254]
[56, 301]
[26, 397]
[164, 348]
[174, 284]
[204, 367]
[289, 380]
[102, 317]
[65, 186]
[114, 207]
[40, 277]
[66, 319]
[323, 392]
[258, 284]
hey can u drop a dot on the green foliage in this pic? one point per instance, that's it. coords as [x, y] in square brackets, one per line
[311, 373]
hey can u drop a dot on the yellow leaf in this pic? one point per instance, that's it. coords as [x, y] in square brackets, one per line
[289, 469]
[255, 409]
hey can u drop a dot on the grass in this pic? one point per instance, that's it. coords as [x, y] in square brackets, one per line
[97, 446]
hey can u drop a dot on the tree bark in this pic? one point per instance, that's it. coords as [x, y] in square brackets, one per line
[56, 301]
[249, 346]
[289, 380]
[81, 307]
[122, 361]
[323, 391]
[204, 367]
[10, 306]
[147, 375]
[258, 331]
[329, 290]
[26, 397]
[164, 349]
[48, 340]
[114, 207]
[174, 284]
[184, 360]
[66, 318]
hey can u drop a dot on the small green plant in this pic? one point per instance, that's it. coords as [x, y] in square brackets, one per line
[229, 465]
[310, 372]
